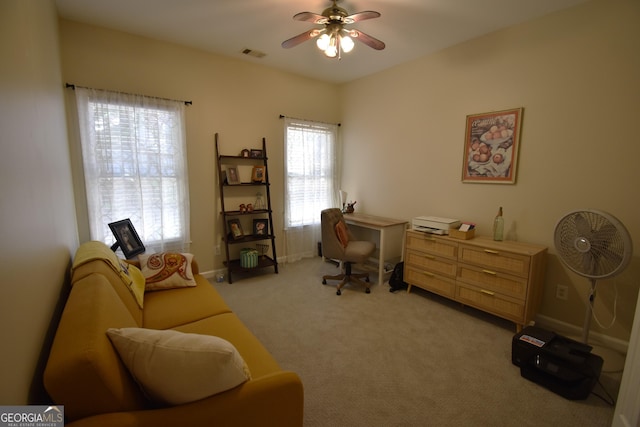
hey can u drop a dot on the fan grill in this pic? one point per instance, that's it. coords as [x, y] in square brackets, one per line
[593, 244]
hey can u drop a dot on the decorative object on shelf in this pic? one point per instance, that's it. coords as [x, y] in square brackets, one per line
[262, 249]
[233, 177]
[248, 258]
[343, 200]
[491, 147]
[259, 203]
[249, 208]
[256, 153]
[242, 208]
[244, 153]
[235, 228]
[260, 227]
[498, 226]
[258, 173]
[350, 207]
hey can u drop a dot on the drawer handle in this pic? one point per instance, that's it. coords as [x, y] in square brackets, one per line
[489, 251]
[429, 257]
[484, 291]
[493, 273]
[426, 273]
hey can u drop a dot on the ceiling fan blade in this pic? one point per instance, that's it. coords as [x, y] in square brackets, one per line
[367, 39]
[310, 17]
[361, 16]
[300, 38]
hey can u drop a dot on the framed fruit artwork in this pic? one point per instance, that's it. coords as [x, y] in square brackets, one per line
[491, 147]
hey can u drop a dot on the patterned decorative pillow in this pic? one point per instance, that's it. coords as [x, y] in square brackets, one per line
[174, 367]
[167, 270]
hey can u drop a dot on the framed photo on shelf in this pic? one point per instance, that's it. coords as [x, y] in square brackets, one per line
[127, 238]
[233, 177]
[258, 173]
[235, 228]
[256, 154]
[491, 147]
[261, 227]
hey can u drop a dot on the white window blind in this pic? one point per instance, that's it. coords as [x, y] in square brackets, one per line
[134, 159]
[310, 171]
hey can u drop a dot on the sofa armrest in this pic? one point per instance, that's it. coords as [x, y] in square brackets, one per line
[275, 399]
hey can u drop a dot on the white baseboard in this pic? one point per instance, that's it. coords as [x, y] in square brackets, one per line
[211, 274]
[570, 330]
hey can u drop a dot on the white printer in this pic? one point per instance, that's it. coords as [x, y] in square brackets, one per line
[434, 224]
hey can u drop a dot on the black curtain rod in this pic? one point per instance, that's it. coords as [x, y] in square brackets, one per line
[315, 121]
[72, 86]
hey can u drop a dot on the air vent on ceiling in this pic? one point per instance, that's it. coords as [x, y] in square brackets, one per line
[254, 53]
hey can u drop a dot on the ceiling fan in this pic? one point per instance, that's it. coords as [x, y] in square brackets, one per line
[334, 38]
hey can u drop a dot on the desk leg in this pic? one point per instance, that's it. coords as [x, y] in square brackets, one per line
[381, 258]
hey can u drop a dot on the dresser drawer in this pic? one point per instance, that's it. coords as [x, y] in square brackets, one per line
[432, 263]
[427, 243]
[501, 305]
[495, 281]
[498, 260]
[429, 281]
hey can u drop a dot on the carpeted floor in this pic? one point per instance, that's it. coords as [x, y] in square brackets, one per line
[397, 359]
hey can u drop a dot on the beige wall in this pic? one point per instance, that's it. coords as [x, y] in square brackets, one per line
[242, 101]
[574, 72]
[37, 220]
[577, 75]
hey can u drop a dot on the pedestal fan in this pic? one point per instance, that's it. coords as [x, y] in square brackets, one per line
[595, 245]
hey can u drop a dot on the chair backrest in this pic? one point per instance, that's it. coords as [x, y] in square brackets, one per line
[331, 246]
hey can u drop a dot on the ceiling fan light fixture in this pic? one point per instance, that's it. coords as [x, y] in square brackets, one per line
[323, 42]
[346, 44]
[334, 39]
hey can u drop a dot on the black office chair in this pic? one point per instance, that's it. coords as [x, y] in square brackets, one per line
[338, 243]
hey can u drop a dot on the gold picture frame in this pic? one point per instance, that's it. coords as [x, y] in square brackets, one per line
[258, 174]
[491, 145]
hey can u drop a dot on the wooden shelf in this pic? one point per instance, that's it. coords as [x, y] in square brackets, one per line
[228, 190]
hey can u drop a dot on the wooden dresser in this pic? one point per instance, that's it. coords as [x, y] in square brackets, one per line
[502, 278]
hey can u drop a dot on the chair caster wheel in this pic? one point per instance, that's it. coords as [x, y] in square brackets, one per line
[324, 282]
[338, 292]
[367, 291]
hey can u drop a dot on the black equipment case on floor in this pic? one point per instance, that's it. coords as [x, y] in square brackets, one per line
[560, 364]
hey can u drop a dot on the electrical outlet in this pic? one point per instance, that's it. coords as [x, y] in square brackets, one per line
[562, 292]
[217, 249]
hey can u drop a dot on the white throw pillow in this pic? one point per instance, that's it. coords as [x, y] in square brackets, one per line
[167, 270]
[174, 367]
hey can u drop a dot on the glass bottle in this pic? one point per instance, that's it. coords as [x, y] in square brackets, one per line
[498, 226]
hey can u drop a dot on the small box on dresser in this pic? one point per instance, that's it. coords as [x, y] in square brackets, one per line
[502, 278]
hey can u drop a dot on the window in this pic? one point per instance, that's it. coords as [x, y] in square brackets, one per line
[134, 159]
[310, 171]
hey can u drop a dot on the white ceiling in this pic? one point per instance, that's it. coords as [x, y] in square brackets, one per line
[410, 28]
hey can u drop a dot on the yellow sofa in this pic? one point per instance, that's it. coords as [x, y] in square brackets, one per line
[85, 373]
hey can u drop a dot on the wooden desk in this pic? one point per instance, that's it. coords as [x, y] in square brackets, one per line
[383, 226]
